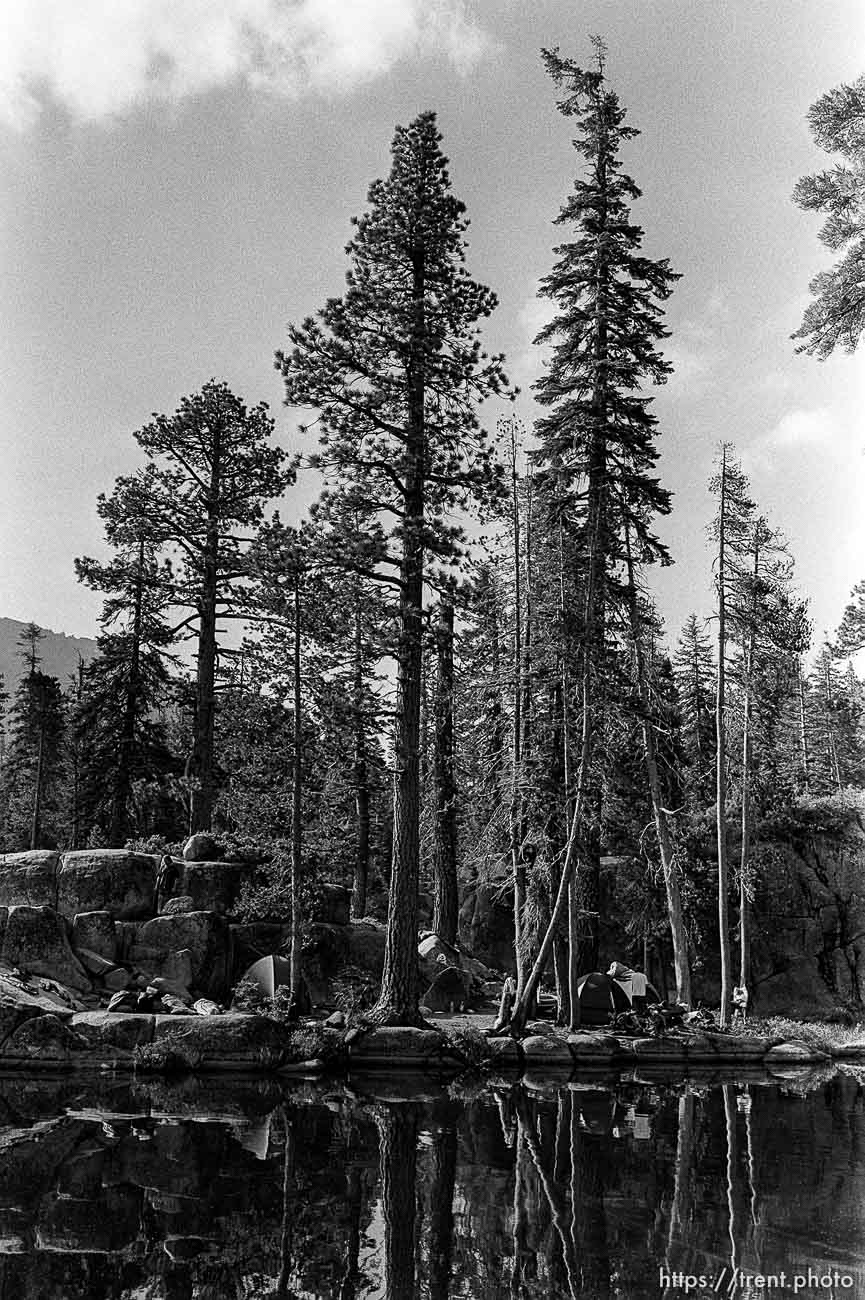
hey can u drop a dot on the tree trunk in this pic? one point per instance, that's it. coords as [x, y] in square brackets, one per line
[398, 1000]
[497, 778]
[296, 809]
[441, 1225]
[746, 838]
[567, 991]
[588, 1210]
[574, 1008]
[831, 746]
[445, 893]
[205, 698]
[75, 829]
[397, 1137]
[662, 825]
[119, 824]
[521, 1008]
[518, 1224]
[288, 1209]
[354, 1200]
[361, 779]
[803, 733]
[730, 1125]
[555, 1199]
[36, 815]
[593, 627]
[720, 760]
[680, 1211]
[746, 772]
[518, 866]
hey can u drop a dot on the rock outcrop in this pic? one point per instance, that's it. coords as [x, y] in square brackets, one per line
[34, 940]
[111, 880]
[808, 914]
[201, 847]
[96, 932]
[205, 935]
[212, 885]
[29, 878]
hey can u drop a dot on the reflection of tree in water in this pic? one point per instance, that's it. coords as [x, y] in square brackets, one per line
[397, 1136]
[580, 1191]
[441, 1209]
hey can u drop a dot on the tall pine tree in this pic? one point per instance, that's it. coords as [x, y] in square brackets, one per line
[597, 438]
[212, 470]
[395, 370]
[121, 740]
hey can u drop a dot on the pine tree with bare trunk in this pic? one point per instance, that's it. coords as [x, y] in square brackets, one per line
[395, 370]
[597, 437]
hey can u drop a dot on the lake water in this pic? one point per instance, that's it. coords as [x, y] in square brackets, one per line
[620, 1187]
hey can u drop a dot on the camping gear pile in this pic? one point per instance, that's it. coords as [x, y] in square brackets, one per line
[626, 1000]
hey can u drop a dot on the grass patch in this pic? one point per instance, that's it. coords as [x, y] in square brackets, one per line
[817, 1033]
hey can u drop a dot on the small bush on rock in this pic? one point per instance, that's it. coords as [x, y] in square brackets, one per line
[164, 1058]
[469, 1044]
[281, 1008]
[250, 997]
[313, 1042]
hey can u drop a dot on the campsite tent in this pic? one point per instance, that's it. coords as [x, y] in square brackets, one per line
[269, 973]
[600, 998]
[632, 980]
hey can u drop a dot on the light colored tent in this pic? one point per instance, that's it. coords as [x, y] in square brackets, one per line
[269, 973]
[625, 978]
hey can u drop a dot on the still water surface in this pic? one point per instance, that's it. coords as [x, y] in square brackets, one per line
[620, 1187]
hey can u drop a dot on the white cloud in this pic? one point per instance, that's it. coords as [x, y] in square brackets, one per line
[800, 430]
[696, 346]
[526, 362]
[798, 427]
[101, 58]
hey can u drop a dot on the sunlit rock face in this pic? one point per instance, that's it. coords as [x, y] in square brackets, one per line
[201, 847]
[110, 880]
[207, 937]
[29, 878]
[34, 941]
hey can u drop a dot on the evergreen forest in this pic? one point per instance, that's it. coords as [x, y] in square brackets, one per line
[445, 683]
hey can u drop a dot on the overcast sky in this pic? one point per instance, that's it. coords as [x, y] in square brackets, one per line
[179, 177]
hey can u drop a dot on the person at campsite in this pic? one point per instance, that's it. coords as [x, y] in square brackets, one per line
[634, 982]
[166, 880]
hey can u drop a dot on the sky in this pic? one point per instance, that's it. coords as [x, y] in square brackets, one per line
[179, 178]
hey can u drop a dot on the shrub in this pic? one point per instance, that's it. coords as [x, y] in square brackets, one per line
[164, 1058]
[313, 1042]
[281, 1007]
[249, 996]
[354, 992]
[470, 1044]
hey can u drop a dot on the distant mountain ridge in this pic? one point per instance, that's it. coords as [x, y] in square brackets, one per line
[59, 652]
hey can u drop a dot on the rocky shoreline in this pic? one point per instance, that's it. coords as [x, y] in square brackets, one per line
[82, 928]
[237, 1042]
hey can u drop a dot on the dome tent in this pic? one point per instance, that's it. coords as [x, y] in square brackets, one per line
[600, 998]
